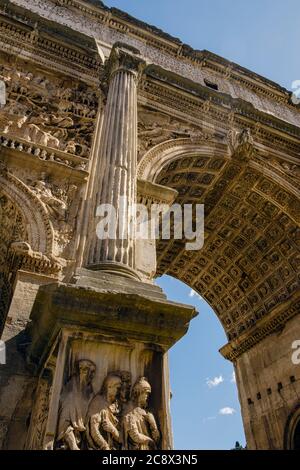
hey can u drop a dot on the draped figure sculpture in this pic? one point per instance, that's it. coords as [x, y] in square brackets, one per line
[103, 431]
[74, 403]
[139, 428]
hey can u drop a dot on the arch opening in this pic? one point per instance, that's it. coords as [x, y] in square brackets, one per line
[249, 263]
[201, 379]
[248, 270]
[296, 437]
[292, 430]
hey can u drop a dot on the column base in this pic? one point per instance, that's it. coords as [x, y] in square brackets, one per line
[113, 267]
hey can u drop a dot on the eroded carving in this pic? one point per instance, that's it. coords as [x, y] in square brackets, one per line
[40, 414]
[74, 405]
[61, 203]
[241, 143]
[103, 423]
[155, 128]
[57, 207]
[139, 425]
[48, 111]
[13, 228]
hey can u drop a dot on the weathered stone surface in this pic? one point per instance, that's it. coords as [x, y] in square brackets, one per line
[269, 388]
[87, 120]
[119, 327]
[133, 311]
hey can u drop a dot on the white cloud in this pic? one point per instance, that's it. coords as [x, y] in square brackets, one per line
[209, 418]
[227, 411]
[233, 378]
[214, 382]
[193, 293]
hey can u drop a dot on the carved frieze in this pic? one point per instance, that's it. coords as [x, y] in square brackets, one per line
[47, 110]
[74, 403]
[114, 418]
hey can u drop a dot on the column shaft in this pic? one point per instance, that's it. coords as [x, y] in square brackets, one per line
[116, 179]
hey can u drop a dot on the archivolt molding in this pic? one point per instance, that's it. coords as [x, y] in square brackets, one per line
[156, 158]
[207, 145]
[289, 191]
[262, 329]
[250, 262]
[38, 226]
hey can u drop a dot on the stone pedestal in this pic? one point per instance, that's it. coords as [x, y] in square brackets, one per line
[100, 346]
[17, 383]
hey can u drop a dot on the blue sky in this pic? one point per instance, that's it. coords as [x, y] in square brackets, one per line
[263, 36]
[205, 407]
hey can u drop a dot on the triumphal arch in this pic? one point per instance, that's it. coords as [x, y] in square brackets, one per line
[98, 107]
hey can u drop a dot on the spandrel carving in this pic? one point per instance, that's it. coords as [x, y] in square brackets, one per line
[155, 128]
[57, 207]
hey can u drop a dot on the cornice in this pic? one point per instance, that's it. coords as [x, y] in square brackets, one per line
[34, 262]
[166, 89]
[125, 23]
[149, 193]
[75, 53]
[237, 105]
[57, 160]
[33, 38]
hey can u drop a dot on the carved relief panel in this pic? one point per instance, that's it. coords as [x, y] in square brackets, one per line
[110, 398]
[12, 229]
[40, 411]
[47, 109]
[155, 127]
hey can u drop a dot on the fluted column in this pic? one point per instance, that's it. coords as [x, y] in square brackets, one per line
[116, 170]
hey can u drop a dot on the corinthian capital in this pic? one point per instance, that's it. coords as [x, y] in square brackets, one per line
[125, 58]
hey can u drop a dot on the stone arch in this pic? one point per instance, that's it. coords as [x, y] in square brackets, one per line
[157, 157]
[12, 229]
[292, 430]
[38, 227]
[249, 266]
[23, 218]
